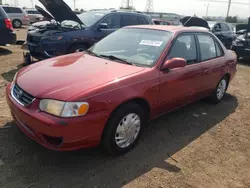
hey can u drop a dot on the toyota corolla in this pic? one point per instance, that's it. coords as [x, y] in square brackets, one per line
[106, 95]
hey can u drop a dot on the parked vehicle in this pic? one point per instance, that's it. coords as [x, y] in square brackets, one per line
[71, 32]
[17, 15]
[8, 36]
[223, 31]
[161, 22]
[128, 78]
[34, 15]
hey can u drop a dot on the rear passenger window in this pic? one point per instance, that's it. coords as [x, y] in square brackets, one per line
[218, 50]
[129, 20]
[143, 20]
[185, 47]
[12, 10]
[207, 47]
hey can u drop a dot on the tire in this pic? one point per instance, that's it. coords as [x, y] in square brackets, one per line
[219, 91]
[113, 142]
[77, 48]
[17, 23]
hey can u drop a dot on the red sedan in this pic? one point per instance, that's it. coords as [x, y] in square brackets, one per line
[107, 94]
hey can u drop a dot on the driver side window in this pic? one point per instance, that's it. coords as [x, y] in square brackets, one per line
[185, 47]
[112, 21]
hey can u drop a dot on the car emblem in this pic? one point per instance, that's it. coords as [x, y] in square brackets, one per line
[19, 94]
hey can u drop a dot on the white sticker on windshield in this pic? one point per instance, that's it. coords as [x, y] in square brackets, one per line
[151, 43]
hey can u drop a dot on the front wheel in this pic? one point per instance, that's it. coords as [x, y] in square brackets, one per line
[220, 90]
[123, 129]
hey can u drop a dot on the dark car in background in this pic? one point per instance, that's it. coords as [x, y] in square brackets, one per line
[162, 22]
[70, 32]
[8, 36]
[224, 31]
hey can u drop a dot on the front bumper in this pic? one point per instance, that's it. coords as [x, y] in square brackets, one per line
[60, 134]
[44, 50]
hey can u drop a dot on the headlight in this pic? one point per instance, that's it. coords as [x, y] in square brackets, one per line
[53, 38]
[64, 109]
[14, 78]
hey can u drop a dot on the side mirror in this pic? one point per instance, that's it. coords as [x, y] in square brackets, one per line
[174, 63]
[102, 26]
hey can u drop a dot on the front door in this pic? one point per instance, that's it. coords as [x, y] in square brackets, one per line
[113, 23]
[180, 86]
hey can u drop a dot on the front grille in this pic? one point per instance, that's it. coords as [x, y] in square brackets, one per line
[21, 96]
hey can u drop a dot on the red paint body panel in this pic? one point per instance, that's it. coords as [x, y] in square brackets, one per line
[105, 85]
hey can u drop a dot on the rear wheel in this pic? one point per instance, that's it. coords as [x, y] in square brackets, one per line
[17, 23]
[220, 90]
[123, 129]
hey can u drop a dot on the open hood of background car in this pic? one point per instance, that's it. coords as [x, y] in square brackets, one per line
[60, 10]
[45, 14]
[189, 21]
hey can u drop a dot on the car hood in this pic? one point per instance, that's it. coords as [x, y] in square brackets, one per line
[44, 13]
[64, 77]
[194, 21]
[60, 10]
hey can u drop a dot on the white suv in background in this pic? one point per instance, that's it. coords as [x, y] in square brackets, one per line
[34, 15]
[17, 15]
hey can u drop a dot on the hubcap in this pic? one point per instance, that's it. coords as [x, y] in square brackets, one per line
[17, 24]
[128, 130]
[221, 89]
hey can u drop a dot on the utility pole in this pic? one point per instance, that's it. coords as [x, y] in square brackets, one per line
[229, 5]
[127, 4]
[74, 4]
[207, 10]
[149, 6]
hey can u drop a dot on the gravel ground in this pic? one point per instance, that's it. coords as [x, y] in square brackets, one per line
[200, 145]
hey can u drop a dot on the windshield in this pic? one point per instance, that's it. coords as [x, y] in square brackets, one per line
[141, 47]
[71, 24]
[90, 18]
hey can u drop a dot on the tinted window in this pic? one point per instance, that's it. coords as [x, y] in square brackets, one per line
[143, 20]
[224, 27]
[113, 21]
[129, 20]
[142, 47]
[90, 18]
[7, 9]
[15, 10]
[185, 47]
[207, 47]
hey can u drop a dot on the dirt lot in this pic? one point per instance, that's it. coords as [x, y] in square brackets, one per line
[201, 145]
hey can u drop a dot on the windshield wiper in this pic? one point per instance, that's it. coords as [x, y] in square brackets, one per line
[92, 53]
[112, 57]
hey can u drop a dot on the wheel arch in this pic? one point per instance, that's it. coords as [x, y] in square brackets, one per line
[137, 100]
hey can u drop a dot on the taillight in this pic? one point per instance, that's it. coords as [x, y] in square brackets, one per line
[8, 23]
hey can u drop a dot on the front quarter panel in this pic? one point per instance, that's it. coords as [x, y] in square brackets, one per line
[107, 98]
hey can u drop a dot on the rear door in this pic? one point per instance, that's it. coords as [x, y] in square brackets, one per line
[212, 58]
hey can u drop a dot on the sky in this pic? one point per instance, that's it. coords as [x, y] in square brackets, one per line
[183, 7]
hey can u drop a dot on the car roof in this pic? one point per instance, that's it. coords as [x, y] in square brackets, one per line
[118, 11]
[174, 29]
